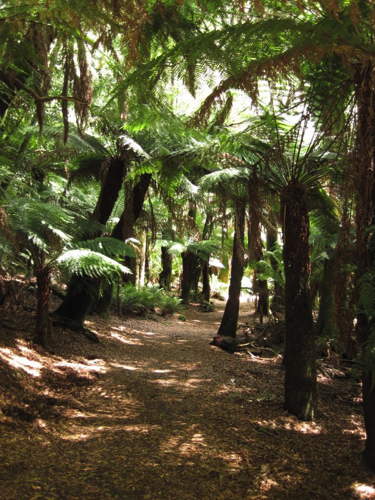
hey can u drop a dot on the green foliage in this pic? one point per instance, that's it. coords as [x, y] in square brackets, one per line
[206, 306]
[148, 299]
[204, 248]
[83, 262]
[266, 271]
[109, 247]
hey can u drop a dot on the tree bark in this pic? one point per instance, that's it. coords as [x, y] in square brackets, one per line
[165, 275]
[112, 181]
[228, 325]
[255, 246]
[206, 291]
[299, 359]
[365, 219]
[43, 322]
[325, 325]
[190, 268]
[124, 229]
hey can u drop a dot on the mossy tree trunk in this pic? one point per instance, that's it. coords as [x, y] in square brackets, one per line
[299, 359]
[228, 325]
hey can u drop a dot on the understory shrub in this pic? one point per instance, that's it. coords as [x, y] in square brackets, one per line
[148, 299]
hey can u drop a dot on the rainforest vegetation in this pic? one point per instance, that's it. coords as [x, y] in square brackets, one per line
[161, 153]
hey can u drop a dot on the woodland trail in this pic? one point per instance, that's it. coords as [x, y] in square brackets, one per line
[155, 412]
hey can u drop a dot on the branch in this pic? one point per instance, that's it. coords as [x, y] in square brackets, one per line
[50, 98]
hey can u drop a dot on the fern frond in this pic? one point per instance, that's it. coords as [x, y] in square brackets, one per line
[83, 262]
[225, 177]
[110, 247]
[204, 248]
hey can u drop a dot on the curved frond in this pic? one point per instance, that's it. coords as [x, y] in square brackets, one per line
[111, 247]
[84, 262]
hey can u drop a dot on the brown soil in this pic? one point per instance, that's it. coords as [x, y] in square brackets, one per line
[154, 412]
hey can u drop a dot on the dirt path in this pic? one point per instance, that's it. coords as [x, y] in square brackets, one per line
[168, 417]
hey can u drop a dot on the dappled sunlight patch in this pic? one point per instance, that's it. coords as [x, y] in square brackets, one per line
[233, 459]
[192, 446]
[126, 340]
[77, 433]
[189, 384]
[290, 423]
[120, 328]
[171, 444]
[357, 428]
[96, 366]
[124, 367]
[363, 491]
[29, 366]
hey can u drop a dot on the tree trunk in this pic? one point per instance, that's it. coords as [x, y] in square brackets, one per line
[206, 291]
[81, 294]
[43, 322]
[103, 306]
[134, 199]
[228, 325]
[368, 393]
[278, 299]
[365, 219]
[299, 360]
[189, 272]
[111, 184]
[325, 325]
[166, 272]
[255, 246]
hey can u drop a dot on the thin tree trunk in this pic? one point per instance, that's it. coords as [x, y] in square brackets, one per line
[166, 269]
[299, 360]
[43, 322]
[255, 246]
[228, 325]
[278, 299]
[206, 291]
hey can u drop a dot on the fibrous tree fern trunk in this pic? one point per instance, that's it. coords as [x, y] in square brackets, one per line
[325, 325]
[206, 289]
[299, 360]
[256, 247]
[365, 219]
[134, 199]
[43, 323]
[228, 325]
[165, 275]
[190, 273]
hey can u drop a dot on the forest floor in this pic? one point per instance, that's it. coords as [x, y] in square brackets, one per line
[155, 412]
